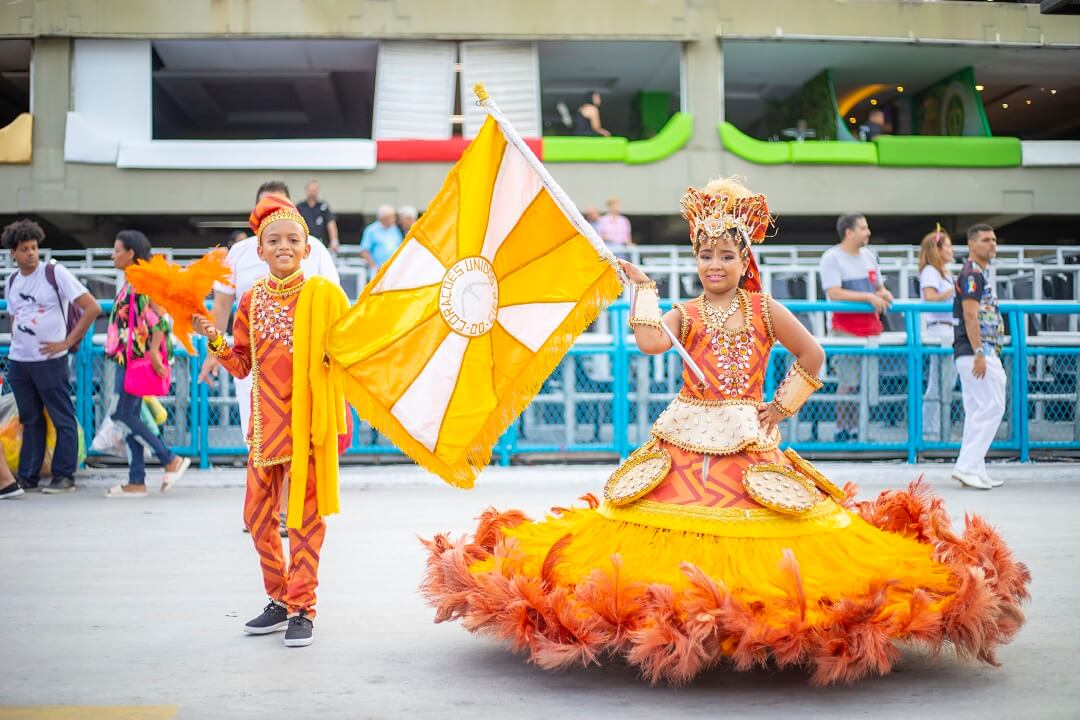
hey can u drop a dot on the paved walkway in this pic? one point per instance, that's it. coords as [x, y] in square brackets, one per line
[134, 608]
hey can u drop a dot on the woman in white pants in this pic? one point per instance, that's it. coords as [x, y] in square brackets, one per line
[936, 284]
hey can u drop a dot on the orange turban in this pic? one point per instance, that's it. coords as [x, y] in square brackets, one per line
[272, 208]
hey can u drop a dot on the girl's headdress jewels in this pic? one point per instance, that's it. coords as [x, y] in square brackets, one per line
[710, 216]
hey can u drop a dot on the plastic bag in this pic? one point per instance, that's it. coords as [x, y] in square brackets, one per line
[11, 437]
[109, 439]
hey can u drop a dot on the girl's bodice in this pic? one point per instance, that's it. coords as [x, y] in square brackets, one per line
[734, 361]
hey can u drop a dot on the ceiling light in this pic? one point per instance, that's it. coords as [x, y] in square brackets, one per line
[899, 88]
[1053, 92]
[1004, 106]
[980, 88]
[1028, 102]
[873, 102]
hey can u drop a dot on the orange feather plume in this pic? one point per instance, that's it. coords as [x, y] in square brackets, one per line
[181, 292]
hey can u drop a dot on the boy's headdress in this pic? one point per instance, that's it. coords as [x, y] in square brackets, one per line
[271, 209]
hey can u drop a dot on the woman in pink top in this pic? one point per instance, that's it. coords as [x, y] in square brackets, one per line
[614, 228]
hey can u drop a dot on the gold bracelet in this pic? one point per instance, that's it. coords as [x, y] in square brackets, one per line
[796, 388]
[646, 308]
[217, 345]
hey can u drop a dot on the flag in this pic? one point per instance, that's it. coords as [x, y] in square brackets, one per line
[457, 332]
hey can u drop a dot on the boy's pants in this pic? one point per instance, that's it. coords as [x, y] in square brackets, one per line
[293, 587]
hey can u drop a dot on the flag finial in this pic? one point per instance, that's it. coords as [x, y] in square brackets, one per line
[481, 92]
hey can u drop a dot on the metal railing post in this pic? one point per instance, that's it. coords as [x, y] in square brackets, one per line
[913, 326]
[1018, 328]
[84, 377]
[201, 397]
[620, 386]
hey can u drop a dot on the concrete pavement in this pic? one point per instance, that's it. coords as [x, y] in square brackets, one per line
[138, 605]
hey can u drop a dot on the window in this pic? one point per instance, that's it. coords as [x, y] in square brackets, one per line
[265, 89]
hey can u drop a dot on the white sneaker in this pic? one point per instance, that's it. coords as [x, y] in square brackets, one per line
[992, 482]
[971, 480]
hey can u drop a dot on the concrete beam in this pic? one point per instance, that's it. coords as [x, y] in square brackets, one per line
[953, 22]
[963, 222]
[644, 189]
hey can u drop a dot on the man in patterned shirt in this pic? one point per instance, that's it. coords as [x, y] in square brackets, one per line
[977, 348]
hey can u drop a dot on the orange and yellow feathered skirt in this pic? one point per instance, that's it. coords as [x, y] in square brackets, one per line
[676, 590]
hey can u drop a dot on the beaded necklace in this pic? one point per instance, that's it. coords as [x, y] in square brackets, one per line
[269, 315]
[734, 349]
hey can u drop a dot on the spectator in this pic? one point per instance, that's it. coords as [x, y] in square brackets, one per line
[977, 349]
[138, 329]
[406, 216]
[849, 272]
[40, 297]
[592, 215]
[614, 229]
[875, 125]
[587, 117]
[936, 284]
[320, 219]
[380, 239]
[234, 237]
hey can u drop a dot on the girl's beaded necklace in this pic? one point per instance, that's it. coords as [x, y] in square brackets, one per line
[734, 349]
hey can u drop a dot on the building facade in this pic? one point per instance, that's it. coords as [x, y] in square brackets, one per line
[149, 108]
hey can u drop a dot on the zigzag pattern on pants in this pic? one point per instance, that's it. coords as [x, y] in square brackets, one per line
[294, 587]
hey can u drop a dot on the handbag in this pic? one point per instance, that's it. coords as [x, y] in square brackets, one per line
[139, 376]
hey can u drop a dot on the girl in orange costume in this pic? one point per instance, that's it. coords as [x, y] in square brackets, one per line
[711, 544]
[297, 413]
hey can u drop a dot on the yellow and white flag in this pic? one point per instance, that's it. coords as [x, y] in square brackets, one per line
[457, 332]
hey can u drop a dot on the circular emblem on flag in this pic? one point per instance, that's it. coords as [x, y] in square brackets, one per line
[469, 297]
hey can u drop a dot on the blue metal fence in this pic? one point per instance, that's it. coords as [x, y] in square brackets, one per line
[605, 393]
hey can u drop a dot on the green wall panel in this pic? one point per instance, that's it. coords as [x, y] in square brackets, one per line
[833, 152]
[752, 149]
[927, 151]
[671, 138]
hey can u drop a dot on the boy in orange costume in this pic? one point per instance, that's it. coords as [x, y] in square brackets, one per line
[297, 411]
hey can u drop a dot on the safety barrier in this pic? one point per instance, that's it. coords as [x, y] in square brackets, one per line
[605, 394]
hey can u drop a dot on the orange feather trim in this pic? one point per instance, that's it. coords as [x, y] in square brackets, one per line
[673, 632]
[181, 292]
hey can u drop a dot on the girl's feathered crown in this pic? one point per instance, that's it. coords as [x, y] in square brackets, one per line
[711, 216]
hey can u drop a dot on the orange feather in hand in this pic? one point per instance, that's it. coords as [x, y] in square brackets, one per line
[181, 292]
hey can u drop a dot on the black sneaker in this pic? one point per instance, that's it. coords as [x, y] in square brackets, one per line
[29, 485]
[11, 491]
[301, 632]
[274, 617]
[59, 485]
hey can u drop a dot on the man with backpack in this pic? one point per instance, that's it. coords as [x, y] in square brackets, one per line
[50, 313]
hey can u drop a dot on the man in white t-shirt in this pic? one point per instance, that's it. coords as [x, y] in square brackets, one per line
[40, 297]
[849, 272]
[247, 267]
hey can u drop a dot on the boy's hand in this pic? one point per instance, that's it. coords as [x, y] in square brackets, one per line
[202, 325]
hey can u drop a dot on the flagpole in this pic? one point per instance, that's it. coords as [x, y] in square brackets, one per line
[557, 193]
[483, 99]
